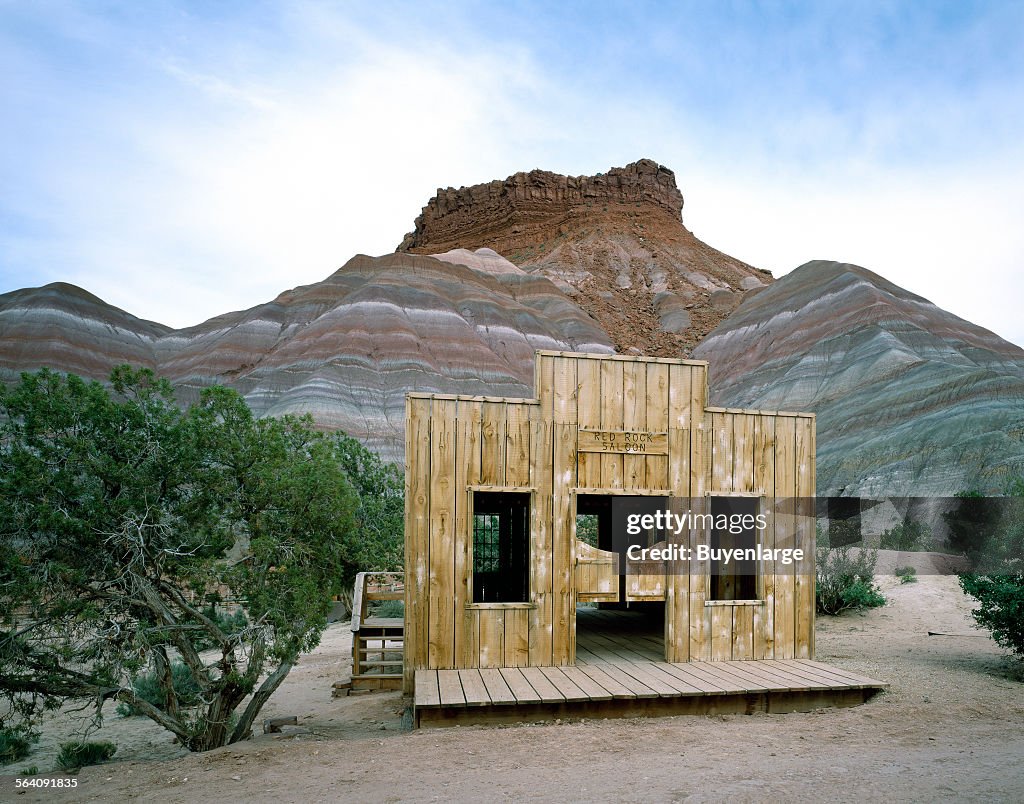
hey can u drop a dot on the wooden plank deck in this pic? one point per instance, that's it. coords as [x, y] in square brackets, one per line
[606, 636]
[619, 672]
[635, 688]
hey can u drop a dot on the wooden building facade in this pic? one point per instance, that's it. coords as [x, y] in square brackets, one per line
[493, 566]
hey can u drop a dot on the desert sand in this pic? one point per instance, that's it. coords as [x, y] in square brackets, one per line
[951, 726]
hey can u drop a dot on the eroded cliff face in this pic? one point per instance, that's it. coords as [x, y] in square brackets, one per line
[614, 242]
[910, 399]
[346, 350]
[501, 213]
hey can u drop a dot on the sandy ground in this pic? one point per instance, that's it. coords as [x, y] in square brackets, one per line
[951, 727]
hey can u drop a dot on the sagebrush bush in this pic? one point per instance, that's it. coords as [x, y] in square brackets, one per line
[13, 746]
[906, 574]
[390, 608]
[846, 579]
[147, 687]
[862, 595]
[1002, 607]
[79, 754]
[908, 536]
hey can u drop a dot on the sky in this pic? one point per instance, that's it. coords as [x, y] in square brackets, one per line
[181, 160]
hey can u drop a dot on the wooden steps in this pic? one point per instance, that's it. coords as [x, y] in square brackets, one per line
[378, 643]
[625, 688]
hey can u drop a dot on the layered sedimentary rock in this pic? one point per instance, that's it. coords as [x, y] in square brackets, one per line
[614, 242]
[910, 399]
[346, 349]
[64, 327]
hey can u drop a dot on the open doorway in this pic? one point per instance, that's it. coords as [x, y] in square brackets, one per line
[624, 630]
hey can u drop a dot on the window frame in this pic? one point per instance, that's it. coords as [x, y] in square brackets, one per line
[759, 586]
[529, 494]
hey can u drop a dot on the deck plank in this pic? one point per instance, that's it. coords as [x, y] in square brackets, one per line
[427, 693]
[474, 688]
[817, 679]
[682, 687]
[616, 688]
[545, 689]
[679, 670]
[564, 684]
[590, 687]
[638, 672]
[733, 682]
[772, 680]
[520, 687]
[638, 688]
[856, 678]
[450, 687]
[584, 655]
[832, 675]
[697, 669]
[497, 690]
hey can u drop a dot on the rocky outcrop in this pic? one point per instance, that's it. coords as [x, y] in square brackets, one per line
[910, 399]
[499, 211]
[614, 242]
[345, 350]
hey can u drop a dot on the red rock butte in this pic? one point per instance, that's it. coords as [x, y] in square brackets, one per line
[615, 242]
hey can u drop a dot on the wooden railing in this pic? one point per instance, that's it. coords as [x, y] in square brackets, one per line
[372, 586]
[378, 643]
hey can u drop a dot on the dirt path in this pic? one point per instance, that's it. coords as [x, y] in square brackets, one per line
[951, 727]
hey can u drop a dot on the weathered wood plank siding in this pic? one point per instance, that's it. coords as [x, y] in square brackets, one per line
[675, 446]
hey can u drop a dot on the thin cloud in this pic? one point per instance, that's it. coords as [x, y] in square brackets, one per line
[180, 162]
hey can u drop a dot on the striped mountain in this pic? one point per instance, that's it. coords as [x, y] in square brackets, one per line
[910, 399]
[345, 350]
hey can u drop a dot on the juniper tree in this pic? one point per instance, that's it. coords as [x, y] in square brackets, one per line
[124, 519]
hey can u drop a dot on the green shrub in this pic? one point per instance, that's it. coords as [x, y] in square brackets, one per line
[586, 528]
[972, 523]
[1002, 606]
[996, 547]
[862, 595]
[31, 770]
[906, 574]
[908, 536]
[79, 754]
[147, 687]
[845, 580]
[228, 623]
[13, 746]
[390, 608]
[843, 532]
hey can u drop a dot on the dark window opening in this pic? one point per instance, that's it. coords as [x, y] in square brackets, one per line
[594, 520]
[501, 547]
[737, 578]
[605, 516]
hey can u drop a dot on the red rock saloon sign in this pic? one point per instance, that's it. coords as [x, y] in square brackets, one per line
[626, 441]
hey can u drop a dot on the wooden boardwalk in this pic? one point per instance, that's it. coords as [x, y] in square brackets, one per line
[618, 673]
[604, 636]
[630, 688]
